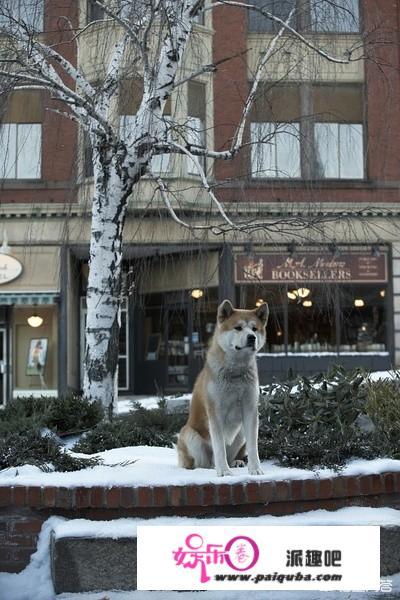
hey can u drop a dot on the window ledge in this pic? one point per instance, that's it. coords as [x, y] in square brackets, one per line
[33, 184]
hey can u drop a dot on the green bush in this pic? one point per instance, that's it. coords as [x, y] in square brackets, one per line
[21, 431]
[312, 422]
[69, 414]
[141, 427]
[383, 408]
[31, 448]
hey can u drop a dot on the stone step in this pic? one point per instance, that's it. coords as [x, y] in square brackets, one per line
[89, 564]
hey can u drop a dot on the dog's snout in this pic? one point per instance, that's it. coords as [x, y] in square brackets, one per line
[251, 339]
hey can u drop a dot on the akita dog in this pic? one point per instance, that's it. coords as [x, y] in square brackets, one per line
[223, 419]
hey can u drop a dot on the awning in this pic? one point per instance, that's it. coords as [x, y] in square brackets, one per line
[28, 298]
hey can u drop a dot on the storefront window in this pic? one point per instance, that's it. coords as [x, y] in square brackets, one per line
[311, 319]
[326, 318]
[363, 327]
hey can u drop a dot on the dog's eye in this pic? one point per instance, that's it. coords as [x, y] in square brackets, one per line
[254, 328]
[238, 328]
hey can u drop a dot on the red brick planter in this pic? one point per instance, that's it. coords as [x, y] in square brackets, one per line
[23, 509]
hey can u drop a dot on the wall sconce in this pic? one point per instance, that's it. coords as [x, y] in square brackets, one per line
[259, 302]
[35, 320]
[307, 303]
[197, 293]
[302, 292]
[359, 303]
[375, 252]
[291, 248]
[382, 293]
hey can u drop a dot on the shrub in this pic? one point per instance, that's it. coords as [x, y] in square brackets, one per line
[311, 422]
[31, 448]
[383, 408]
[69, 414]
[141, 427]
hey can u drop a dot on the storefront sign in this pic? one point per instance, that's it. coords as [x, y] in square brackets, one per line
[10, 268]
[311, 268]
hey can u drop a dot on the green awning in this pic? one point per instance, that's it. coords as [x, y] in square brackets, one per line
[28, 298]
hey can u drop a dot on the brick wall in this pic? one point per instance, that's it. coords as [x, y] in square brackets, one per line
[24, 509]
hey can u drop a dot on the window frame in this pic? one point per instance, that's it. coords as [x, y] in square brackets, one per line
[18, 152]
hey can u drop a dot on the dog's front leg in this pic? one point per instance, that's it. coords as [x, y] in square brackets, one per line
[250, 426]
[218, 446]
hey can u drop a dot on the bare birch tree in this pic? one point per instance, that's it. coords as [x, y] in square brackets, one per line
[152, 37]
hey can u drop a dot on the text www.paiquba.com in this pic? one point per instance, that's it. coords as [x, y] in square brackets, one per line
[278, 577]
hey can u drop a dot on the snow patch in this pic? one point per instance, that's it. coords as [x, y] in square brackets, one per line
[150, 465]
[127, 527]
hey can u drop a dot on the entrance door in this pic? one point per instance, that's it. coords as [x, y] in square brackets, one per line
[3, 367]
[178, 348]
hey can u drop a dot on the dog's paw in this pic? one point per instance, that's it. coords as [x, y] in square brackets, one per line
[224, 472]
[238, 463]
[257, 470]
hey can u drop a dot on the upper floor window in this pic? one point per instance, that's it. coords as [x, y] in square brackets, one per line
[94, 11]
[339, 151]
[275, 150]
[196, 122]
[29, 12]
[279, 8]
[312, 133]
[326, 16]
[20, 150]
[21, 136]
[341, 16]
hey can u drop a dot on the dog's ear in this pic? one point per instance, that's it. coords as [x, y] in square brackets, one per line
[225, 310]
[262, 312]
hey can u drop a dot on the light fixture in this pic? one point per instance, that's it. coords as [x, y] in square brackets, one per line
[303, 292]
[375, 252]
[197, 293]
[359, 302]
[279, 333]
[259, 302]
[382, 293]
[291, 248]
[334, 249]
[34, 320]
[307, 303]
[292, 295]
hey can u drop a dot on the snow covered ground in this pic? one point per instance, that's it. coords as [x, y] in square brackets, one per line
[150, 465]
[34, 583]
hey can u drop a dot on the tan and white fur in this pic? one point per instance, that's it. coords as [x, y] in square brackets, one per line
[223, 419]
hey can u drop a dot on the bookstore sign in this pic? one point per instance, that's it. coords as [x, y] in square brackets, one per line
[310, 268]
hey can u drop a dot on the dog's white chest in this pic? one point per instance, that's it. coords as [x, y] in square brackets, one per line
[227, 400]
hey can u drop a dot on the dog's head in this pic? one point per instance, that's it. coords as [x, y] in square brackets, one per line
[241, 331]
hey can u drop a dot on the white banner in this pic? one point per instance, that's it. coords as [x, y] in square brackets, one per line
[259, 557]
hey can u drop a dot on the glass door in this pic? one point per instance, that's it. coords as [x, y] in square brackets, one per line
[177, 347]
[3, 367]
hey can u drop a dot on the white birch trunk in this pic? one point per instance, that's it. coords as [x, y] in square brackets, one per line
[104, 283]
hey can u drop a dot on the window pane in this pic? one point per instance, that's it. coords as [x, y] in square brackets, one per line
[94, 11]
[31, 12]
[340, 16]
[29, 151]
[351, 152]
[161, 162]
[279, 8]
[288, 151]
[363, 318]
[263, 150]
[122, 334]
[122, 373]
[311, 320]
[8, 133]
[194, 135]
[326, 150]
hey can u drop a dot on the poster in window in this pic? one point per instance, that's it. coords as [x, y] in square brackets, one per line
[37, 356]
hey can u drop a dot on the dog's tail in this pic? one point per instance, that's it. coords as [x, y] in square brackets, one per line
[184, 459]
